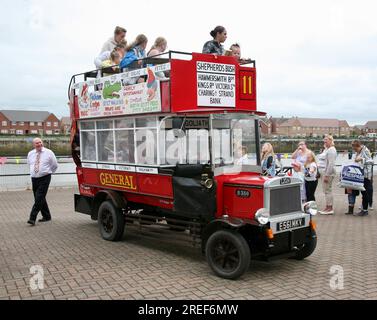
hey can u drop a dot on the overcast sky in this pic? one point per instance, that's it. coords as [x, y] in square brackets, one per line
[314, 58]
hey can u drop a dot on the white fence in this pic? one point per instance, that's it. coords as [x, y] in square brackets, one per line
[14, 175]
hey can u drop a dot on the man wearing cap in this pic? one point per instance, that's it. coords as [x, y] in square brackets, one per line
[42, 163]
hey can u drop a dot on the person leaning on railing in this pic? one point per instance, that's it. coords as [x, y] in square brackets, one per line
[160, 45]
[134, 55]
[235, 51]
[219, 35]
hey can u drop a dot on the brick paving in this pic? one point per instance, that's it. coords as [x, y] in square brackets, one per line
[78, 264]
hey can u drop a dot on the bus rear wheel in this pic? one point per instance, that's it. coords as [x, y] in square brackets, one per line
[228, 254]
[111, 222]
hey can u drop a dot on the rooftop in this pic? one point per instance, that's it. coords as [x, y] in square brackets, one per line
[25, 116]
[315, 122]
[371, 125]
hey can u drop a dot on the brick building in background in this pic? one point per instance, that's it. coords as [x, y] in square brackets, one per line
[65, 125]
[370, 127]
[309, 127]
[23, 122]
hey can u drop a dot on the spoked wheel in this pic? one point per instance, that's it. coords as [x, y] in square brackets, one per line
[111, 222]
[228, 254]
[107, 221]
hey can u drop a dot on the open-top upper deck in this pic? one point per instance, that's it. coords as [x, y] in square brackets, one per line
[174, 82]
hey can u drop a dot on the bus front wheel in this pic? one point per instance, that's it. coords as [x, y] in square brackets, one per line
[228, 254]
[111, 221]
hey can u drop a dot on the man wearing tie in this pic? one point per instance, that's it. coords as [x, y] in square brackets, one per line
[42, 163]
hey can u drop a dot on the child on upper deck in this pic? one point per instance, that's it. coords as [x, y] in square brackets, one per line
[114, 61]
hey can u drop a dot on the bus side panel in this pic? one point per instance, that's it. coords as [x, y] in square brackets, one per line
[141, 183]
[149, 200]
[165, 96]
[109, 179]
[158, 185]
[183, 85]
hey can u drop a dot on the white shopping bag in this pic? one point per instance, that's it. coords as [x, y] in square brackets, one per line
[352, 177]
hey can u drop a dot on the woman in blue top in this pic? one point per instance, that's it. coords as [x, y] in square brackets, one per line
[135, 51]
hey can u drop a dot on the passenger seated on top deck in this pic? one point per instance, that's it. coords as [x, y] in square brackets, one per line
[132, 59]
[120, 48]
[160, 45]
[113, 62]
[219, 35]
[235, 51]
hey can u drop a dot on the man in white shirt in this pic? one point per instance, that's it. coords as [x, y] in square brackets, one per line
[42, 163]
[119, 36]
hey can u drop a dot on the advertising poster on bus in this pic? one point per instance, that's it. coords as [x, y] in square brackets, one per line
[143, 97]
[114, 95]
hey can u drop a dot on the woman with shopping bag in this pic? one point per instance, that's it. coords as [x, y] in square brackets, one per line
[358, 177]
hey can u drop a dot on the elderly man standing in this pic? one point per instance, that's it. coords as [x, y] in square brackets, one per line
[42, 163]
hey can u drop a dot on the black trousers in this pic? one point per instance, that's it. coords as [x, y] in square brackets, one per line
[310, 187]
[367, 194]
[40, 188]
[371, 193]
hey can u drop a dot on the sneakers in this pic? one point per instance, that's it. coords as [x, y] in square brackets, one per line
[361, 213]
[326, 212]
[31, 222]
[369, 207]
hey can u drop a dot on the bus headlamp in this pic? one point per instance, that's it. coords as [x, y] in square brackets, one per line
[262, 216]
[311, 208]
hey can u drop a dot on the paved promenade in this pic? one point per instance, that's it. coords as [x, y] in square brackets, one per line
[78, 264]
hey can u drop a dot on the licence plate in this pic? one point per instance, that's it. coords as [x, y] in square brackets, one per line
[290, 224]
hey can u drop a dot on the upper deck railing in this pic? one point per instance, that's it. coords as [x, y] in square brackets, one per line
[161, 58]
[190, 82]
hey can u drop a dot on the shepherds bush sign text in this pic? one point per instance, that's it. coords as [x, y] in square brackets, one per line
[216, 84]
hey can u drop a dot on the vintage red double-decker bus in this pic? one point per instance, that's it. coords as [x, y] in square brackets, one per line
[175, 144]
